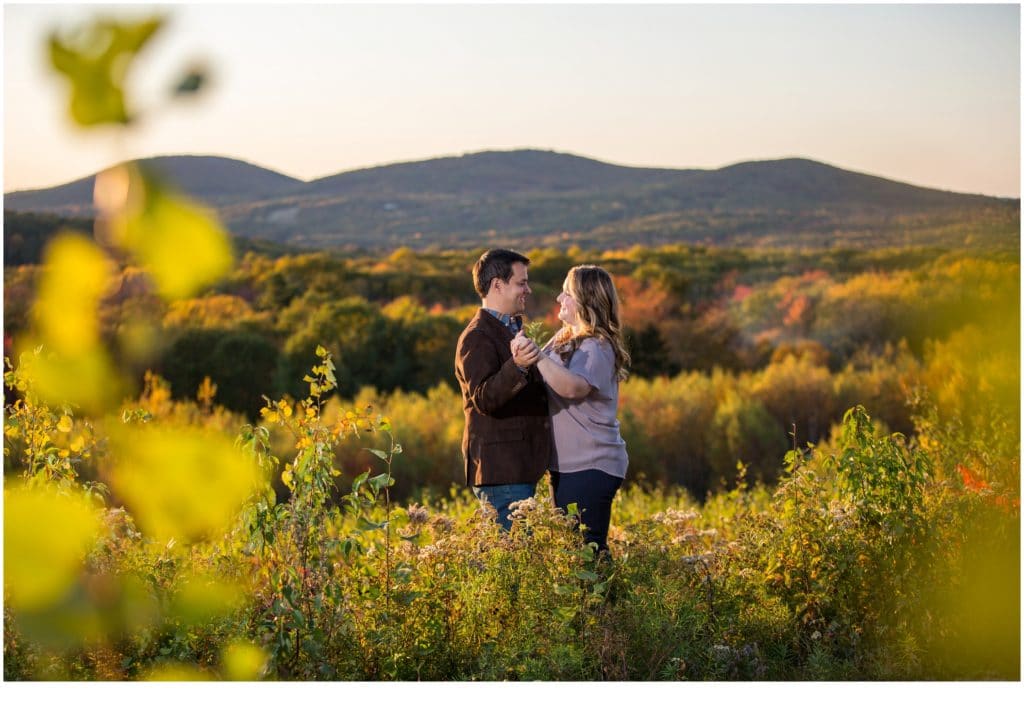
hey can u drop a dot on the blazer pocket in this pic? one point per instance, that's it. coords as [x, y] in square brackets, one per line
[505, 435]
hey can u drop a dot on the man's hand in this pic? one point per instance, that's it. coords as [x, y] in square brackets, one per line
[524, 351]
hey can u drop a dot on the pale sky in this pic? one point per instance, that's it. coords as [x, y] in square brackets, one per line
[925, 94]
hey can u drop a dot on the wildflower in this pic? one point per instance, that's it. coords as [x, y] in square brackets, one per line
[442, 524]
[519, 509]
[418, 515]
[674, 518]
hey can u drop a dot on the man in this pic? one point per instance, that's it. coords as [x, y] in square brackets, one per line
[507, 440]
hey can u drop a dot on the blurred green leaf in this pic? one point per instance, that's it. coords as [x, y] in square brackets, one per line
[95, 61]
[365, 524]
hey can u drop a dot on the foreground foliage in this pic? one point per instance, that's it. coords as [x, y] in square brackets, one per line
[864, 563]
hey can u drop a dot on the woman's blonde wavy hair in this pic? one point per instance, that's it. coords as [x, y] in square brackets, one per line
[597, 310]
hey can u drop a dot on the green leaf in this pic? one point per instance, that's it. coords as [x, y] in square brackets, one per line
[365, 524]
[359, 480]
[566, 613]
[379, 453]
[304, 462]
[586, 575]
[380, 481]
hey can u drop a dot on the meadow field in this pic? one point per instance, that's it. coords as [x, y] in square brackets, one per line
[226, 459]
[828, 490]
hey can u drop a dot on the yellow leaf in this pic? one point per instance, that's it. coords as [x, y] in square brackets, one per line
[46, 538]
[65, 424]
[180, 243]
[201, 600]
[243, 661]
[75, 275]
[87, 379]
[182, 483]
[286, 478]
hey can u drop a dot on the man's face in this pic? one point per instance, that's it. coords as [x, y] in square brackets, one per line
[511, 295]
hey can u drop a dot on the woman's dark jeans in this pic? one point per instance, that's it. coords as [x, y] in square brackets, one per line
[592, 491]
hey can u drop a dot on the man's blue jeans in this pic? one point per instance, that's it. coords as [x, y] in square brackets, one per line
[501, 496]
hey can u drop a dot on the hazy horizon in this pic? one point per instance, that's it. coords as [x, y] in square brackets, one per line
[468, 153]
[923, 94]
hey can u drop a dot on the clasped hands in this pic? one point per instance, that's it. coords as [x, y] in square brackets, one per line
[524, 351]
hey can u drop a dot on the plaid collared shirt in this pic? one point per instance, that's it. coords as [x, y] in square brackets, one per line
[512, 323]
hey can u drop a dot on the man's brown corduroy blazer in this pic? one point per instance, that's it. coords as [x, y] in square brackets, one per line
[507, 438]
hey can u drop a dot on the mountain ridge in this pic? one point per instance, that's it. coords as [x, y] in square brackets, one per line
[529, 196]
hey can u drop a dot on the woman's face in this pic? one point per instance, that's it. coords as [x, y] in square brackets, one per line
[568, 311]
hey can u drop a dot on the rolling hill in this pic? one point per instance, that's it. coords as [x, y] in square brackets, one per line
[533, 197]
[212, 179]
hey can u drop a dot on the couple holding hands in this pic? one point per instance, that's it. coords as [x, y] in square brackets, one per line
[530, 409]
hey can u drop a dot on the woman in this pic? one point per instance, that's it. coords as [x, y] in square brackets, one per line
[582, 367]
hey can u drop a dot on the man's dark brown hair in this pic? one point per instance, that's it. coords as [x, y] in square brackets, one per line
[495, 263]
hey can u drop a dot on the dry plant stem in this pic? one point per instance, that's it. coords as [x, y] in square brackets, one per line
[387, 530]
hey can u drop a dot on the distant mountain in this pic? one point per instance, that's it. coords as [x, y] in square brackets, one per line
[211, 179]
[532, 197]
[490, 173]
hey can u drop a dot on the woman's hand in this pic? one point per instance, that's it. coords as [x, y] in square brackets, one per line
[524, 351]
